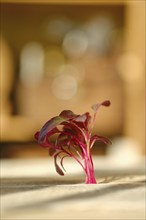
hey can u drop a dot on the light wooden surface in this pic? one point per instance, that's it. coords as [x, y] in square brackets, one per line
[30, 189]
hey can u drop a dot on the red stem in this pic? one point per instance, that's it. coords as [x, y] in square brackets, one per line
[90, 176]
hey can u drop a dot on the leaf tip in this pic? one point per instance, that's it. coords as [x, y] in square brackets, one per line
[106, 103]
[36, 135]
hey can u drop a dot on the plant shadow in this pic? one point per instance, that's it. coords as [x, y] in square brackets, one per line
[109, 189]
[16, 185]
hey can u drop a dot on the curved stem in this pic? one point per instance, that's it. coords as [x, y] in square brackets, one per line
[80, 144]
[92, 124]
[72, 155]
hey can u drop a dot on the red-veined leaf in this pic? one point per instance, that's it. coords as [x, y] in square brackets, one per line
[53, 123]
[100, 139]
[73, 129]
[48, 127]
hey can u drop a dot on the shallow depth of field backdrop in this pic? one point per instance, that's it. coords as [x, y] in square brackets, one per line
[58, 55]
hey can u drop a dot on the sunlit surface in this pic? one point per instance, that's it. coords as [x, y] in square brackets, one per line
[32, 189]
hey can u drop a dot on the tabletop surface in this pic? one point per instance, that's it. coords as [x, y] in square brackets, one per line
[31, 189]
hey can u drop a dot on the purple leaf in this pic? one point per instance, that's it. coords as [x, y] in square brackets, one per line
[51, 125]
[83, 120]
[45, 142]
[67, 114]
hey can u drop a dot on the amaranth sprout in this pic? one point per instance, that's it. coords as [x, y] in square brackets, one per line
[74, 139]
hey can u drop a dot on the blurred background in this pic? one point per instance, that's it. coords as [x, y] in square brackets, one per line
[58, 55]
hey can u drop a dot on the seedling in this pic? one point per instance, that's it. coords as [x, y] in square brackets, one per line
[74, 139]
